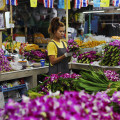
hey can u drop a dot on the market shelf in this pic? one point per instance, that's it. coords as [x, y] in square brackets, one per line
[14, 88]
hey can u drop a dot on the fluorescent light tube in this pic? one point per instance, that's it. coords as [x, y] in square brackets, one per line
[94, 11]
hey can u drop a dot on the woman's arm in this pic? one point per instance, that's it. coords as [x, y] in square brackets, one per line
[54, 60]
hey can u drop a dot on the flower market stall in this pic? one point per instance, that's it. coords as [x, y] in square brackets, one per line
[70, 104]
[92, 93]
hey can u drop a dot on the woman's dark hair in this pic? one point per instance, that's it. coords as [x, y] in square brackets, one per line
[54, 25]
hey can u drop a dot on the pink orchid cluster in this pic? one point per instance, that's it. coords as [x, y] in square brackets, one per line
[4, 63]
[116, 97]
[67, 75]
[112, 75]
[115, 43]
[69, 106]
[35, 56]
[72, 46]
[54, 77]
[88, 57]
[59, 82]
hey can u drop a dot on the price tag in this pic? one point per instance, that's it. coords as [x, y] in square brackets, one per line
[12, 25]
[20, 39]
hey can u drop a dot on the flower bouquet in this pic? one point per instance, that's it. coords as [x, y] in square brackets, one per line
[88, 57]
[55, 82]
[4, 63]
[35, 56]
[72, 46]
[111, 54]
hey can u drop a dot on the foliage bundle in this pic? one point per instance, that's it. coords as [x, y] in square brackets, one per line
[111, 54]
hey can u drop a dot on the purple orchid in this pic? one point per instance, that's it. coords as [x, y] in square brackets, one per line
[115, 43]
[71, 105]
[4, 63]
[112, 75]
[88, 57]
[36, 55]
[72, 46]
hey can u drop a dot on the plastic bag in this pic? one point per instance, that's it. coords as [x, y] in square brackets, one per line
[15, 66]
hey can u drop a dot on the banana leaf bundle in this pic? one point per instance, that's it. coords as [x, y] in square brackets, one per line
[94, 81]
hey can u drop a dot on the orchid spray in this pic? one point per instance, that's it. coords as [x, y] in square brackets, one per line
[88, 57]
[71, 105]
[35, 56]
[4, 63]
[72, 47]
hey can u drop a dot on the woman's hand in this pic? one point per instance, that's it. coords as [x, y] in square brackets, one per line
[54, 60]
[68, 54]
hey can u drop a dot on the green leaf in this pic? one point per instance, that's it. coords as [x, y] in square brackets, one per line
[91, 88]
[93, 83]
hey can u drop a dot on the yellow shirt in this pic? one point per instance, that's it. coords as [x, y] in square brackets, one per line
[52, 49]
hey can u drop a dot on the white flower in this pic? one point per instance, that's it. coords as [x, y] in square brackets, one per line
[25, 99]
[54, 94]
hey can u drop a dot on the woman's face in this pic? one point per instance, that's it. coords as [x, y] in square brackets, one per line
[60, 33]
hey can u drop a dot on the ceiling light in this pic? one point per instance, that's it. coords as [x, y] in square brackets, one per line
[94, 11]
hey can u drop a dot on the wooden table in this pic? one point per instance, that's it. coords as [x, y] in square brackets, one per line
[78, 66]
[31, 74]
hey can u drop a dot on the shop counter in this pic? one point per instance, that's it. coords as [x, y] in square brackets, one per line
[78, 66]
[29, 74]
[114, 68]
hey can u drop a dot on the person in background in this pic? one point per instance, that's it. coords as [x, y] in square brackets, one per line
[58, 57]
[92, 33]
[81, 35]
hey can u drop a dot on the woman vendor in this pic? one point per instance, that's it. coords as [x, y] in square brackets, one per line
[58, 57]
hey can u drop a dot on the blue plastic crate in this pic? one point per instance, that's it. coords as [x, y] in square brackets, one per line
[14, 88]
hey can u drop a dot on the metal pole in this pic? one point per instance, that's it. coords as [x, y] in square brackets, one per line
[11, 20]
[66, 20]
[89, 23]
